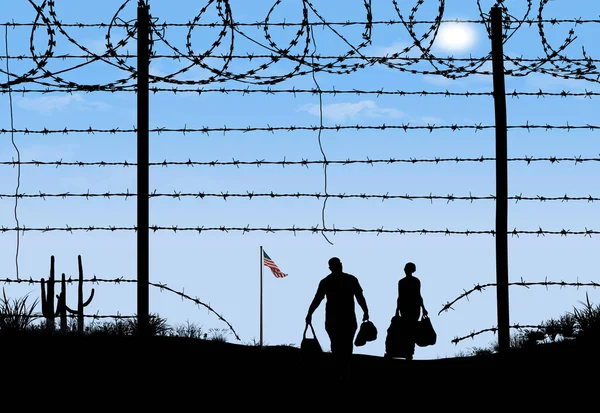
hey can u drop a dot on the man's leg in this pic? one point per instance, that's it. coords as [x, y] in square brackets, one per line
[339, 348]
[335, 348]
[346, 347]
[342, 346]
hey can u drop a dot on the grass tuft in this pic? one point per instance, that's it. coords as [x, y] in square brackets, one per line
[16, 314]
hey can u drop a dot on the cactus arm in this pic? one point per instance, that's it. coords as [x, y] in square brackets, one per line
[89, 299]
[48, 297]
[69, 310]
[63, 294]
[44, 302]
[58, 304]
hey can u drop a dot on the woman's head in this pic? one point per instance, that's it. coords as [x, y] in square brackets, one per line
[410, 268]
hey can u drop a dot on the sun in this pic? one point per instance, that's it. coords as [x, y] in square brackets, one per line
[455, 37]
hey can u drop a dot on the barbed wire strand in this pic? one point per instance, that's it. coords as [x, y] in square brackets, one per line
[12, 126]
[522, 283]
[313, 230]
[305, 162]
[293, 128]
[72, 316]
[261, 24]
[272, 195]
[253, 56]
[269, 91]
[519, 327]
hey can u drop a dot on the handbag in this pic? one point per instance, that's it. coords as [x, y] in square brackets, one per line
[367, 332]
[310, 346]
[425, 335]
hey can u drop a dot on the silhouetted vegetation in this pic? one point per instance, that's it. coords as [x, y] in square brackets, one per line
[15, 315]
[580, 324]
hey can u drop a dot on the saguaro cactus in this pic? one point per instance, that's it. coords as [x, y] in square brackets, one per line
[80, 303]
[48, 310]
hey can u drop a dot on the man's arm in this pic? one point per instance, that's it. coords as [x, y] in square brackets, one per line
[360, 298]
[319, 296]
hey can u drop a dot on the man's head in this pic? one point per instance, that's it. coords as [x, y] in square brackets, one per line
[410, 268]
[335, 265]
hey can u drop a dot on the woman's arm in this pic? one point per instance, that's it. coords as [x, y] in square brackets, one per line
[421, 301]
[398, 300]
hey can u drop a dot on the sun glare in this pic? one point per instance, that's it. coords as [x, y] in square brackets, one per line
[455, 37]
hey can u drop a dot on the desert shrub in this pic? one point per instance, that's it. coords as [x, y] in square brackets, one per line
[189, 330]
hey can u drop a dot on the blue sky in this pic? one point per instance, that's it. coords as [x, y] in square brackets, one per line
[222, 269]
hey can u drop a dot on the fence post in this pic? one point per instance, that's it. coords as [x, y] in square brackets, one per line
[501, 181]
[143, 125]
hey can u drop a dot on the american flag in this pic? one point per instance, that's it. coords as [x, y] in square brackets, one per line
[274, 268]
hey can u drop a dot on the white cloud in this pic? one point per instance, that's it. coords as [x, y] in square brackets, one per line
[341, 112]
[48, 105]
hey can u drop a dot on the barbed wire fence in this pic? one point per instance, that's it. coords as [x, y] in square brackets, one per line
[40, 79]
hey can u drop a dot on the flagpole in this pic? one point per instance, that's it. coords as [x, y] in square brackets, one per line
[261, 296]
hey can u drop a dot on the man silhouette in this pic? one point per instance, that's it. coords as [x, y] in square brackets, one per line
[340, 289]
[410, 302]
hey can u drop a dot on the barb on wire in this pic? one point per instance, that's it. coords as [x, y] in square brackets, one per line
[162, 287]
[545, 283]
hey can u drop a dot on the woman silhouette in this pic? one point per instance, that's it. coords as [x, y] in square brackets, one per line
[409, 304]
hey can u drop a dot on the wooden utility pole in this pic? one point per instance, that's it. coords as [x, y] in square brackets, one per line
[501, 181]
[143, 175]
